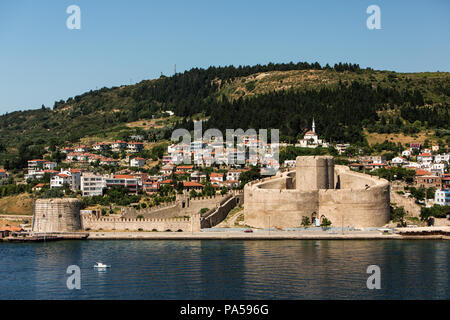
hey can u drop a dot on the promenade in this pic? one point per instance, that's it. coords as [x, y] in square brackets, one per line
[258, 235]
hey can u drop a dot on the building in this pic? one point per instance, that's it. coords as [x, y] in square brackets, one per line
[101, 147]
[317, 189]
[198, 176]
[56, 215]
[311, 139]
[342, 147]
[3, 174]
[190, 185]
[92, 185]
[398, 161]
[119, 145]
[235, 174]
[82, 149]
[406, 153]
[126, 181]
[185, 169]
[442, 197]
[137, 162]
[289, 163]
[425, 158]
[216, 178]
[442, 158]
[151, 186]
[109, 162]
[70, 177]
[429, 181]
[135, 147]
[445, 181]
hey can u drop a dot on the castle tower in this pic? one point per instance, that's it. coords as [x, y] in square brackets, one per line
[56, 215]
[314, 173]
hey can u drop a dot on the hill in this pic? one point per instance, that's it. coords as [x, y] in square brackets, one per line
[343, 99]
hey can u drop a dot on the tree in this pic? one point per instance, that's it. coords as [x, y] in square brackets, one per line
[398, 214]
[305, 221]
[430, 193]
[325, 224]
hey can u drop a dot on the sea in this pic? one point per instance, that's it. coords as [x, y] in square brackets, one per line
[226, 269]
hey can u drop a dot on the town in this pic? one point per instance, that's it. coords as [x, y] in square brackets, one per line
[110, 176]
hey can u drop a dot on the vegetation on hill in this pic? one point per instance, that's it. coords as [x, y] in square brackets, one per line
[343, 99]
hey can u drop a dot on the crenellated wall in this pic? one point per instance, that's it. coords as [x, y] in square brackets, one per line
[358, 201]
[191, 224]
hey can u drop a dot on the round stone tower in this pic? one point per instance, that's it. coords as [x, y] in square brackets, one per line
[56, 215]
[314, 173]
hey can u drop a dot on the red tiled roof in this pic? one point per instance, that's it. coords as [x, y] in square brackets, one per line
[421, 172]
[191, 184]
[426, 154]
[216, 175]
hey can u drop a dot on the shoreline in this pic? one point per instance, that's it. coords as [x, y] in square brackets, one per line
[286, 235]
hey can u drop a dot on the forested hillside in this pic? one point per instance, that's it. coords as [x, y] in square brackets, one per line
[343, 99]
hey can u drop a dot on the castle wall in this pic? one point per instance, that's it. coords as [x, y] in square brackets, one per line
[124, 224]
[175, 209]
[216, 216]
[361, 200]
[314, 172]
[56, 215]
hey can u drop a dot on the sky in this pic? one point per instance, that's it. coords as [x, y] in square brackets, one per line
[123, 42]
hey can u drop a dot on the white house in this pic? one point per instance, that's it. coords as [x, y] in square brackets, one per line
[135, 147]
[233, 175]
[442, 197]
[406, 153]
[398, 161]
[425, 158]
[438, 168]
[289, 163]
[71, 177]
[82, 149]
[137, 162]
[49, 165]
[92, 185]
[216, 177]
[442, 157]
[118, 145]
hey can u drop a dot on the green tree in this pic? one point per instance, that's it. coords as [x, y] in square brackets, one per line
[305, 221]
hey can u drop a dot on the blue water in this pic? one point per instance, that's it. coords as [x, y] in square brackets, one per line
[226, 269]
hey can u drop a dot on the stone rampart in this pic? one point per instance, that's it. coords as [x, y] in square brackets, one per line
[349, 198]
[56, 215]
[191, 224]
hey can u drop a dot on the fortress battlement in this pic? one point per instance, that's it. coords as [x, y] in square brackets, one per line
[317, 189]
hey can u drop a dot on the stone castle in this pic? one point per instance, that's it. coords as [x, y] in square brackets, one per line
[64, 215]
[317, 189]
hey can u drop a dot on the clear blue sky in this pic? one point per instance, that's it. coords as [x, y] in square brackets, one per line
[127, 41]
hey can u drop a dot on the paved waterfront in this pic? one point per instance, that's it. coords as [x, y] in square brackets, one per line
[257, 235]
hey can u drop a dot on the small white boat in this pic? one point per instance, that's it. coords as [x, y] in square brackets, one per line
[100, 265]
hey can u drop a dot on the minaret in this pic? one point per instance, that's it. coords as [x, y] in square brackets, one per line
[313, 126]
